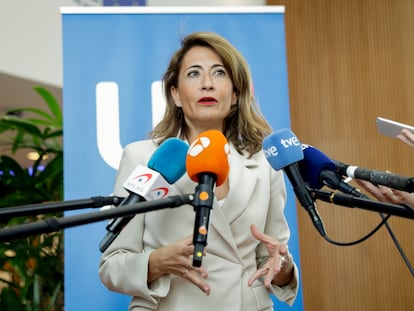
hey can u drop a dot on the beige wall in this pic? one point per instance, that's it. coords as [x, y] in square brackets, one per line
[349, 62]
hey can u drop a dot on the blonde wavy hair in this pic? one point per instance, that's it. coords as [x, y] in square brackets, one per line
[244, 127]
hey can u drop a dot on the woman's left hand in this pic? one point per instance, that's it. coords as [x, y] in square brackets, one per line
[279, 267]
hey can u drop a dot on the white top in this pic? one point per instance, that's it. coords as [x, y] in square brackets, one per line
[172, 9]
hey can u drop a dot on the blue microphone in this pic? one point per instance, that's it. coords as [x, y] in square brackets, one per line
[319, 170]
[165, 167]
[169, 159]
[283, 150]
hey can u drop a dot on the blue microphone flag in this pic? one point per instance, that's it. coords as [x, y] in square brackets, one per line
[169, 159]
[282, 148]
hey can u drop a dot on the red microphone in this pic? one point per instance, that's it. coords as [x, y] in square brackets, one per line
[207, 164]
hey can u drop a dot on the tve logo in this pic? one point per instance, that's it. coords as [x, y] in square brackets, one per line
[284, 139]
[289, 142]
[282, 148]
[270, 152]
[107, 118]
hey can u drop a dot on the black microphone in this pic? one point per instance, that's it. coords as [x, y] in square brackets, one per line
[208, 165]
[319, 170]
[165, 167]
[283, 150]
[376, 177]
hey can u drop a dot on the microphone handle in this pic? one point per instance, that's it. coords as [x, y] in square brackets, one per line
[382, 178]
[203, 203]
[115, 226]
[348, 200]
[304, 196]
[335, 181]
[56, 207]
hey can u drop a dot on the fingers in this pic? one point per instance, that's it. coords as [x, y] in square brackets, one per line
[377, 192]
[274, 266]
[183, 266]
[271, 243]
[372, 189]
[258, 274]
[406, 137]
[391, 195]
[387, 194]
[186, 270]
[279, 258]
[193, 276]
[258, 235]
[282, 262]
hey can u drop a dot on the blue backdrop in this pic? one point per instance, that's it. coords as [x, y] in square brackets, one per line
[113, 60]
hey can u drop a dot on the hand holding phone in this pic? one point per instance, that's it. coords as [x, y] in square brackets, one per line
[392, 128]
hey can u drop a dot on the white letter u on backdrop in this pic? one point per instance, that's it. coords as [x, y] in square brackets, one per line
[107, 123]
[107, 118]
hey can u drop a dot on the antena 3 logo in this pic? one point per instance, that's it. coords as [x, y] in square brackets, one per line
[201, 144]
[198, 146]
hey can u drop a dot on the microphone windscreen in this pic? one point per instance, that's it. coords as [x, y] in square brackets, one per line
[169, 159]
[313, 163]
[209, 154]
[282, 148]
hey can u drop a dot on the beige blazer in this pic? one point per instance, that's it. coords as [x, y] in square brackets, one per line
[257, 196]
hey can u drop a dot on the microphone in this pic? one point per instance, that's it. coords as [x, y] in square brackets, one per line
[283, 150]
[376, 177]
[165, 167]
[208, 165]
[319, 170]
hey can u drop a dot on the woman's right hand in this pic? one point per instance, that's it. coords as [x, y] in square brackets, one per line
[176, 258]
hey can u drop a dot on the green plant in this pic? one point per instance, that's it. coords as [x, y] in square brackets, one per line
[31, 269]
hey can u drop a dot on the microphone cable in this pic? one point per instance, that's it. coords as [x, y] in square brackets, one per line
[384, 221]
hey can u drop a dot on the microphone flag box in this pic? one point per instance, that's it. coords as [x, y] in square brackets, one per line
[282, 148]
[148, 183]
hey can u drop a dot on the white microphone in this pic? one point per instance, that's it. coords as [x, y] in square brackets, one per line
[376, 177]
[165, 167]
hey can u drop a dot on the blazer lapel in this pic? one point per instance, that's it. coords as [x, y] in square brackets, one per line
[243, 178]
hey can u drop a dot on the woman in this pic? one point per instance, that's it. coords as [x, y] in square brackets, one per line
[208, 86]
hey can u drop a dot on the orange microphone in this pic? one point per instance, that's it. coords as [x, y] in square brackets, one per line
[207, 164]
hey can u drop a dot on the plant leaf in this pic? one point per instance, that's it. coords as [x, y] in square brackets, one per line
[22, 124]
[51, 102]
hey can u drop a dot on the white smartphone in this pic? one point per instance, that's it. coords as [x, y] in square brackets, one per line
[391, 128]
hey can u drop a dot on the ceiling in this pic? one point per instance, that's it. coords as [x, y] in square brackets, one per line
[16, 92]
